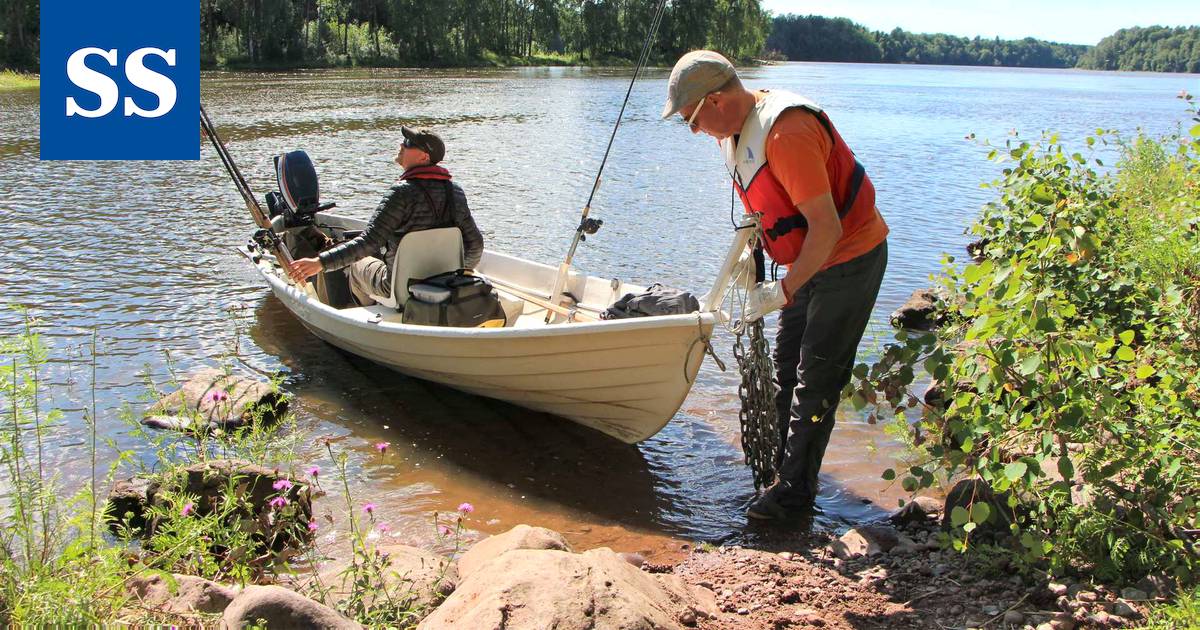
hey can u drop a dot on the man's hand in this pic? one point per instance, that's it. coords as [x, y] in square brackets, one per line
[764, 298]
[304, 268]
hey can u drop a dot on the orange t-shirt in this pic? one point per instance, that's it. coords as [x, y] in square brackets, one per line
[797, 149]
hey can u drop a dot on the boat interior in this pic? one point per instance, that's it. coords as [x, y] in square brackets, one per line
[523, 287]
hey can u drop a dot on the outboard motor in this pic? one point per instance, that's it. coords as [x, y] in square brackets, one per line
[299, 196]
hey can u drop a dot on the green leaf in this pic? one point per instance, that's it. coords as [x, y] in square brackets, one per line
[980, 512]
[1066, 468]
[1015, 470]
[1125, 353]
[909, 484]
[1195, 131]
[959, 516]
[889, 474]
[858, 401]
[1126, 337]
[969, 527]
[1030, 364]
[1047, 324]
[1144, 371]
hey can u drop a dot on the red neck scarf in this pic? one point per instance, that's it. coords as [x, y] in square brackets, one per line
[427, 171]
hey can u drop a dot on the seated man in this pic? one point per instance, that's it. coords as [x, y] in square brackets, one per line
[424, 199]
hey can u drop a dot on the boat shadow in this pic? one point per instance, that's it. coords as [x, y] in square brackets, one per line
[530, 453]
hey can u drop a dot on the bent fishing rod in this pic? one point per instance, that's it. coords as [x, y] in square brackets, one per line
[588, 225]
[265, 236]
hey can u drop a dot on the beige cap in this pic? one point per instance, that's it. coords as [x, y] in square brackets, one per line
[695, 75]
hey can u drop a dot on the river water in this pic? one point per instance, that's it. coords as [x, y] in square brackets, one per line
[144, 253]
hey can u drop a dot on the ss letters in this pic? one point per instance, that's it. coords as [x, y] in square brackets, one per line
[104, 87]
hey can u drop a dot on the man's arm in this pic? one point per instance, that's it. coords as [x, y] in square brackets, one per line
[824, 232]
[472, 238]
[384, 221]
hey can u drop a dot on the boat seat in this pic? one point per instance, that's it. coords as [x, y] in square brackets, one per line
[420, 255]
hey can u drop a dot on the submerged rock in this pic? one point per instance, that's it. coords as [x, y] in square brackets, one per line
[212, 399]
[922, 311]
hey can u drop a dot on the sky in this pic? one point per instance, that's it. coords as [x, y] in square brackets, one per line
[1066, 21]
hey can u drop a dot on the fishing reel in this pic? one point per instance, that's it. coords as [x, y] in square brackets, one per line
[589, 226]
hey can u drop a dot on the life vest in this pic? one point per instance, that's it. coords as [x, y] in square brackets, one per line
[783, 226]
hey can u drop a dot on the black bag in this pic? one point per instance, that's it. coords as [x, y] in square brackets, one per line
[655, 300]
[453, 299]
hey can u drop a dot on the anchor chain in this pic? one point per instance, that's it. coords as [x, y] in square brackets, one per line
[760, 424]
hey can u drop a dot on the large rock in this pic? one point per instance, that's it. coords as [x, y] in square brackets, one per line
[212, 399]
[869, 540]
[275, 607]
[254, 488]
[181, 594]
[413, 576]
[917, 511]
[528, 588]
[922, 311]
[519, 537]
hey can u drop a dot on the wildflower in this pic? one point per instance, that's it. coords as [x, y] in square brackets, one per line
[282, 484]
[312, 526]
[314, 471]
[216, 396]
[369, 508]
[443, 530]
[384, 528]
[278, 502]
[382, 447]
[466, 508]
[188, 509]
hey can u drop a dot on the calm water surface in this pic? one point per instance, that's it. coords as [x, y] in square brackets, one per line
[144, 251]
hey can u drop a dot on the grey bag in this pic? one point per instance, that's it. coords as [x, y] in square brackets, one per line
[655, 300]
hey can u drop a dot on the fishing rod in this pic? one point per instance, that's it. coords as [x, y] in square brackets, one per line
[265, 237]
[588, 225]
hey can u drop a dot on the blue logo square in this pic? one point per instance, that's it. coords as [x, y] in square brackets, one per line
[120, 80]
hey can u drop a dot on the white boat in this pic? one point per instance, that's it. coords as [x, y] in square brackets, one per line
[625, 377]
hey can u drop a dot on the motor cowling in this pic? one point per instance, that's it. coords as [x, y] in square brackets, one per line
[299, 195]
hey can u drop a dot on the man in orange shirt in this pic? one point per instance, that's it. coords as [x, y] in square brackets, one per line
[816, 207]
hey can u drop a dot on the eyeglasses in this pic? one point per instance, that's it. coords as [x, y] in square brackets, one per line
[691, 121]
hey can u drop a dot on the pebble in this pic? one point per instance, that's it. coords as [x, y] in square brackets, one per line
[990, 611]
[1014, 618]
[687, 618]
[743, 611]
[956, 610]
[1087, 597]
[786, 555]
[1075, 589]
[1057, 589]
[1134, 594]
[727, 593]
[1100, 618]
[1123, 609]
[790, 596]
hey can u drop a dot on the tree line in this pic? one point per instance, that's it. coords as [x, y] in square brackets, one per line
[1154, 49]
[266, 33]
[816, 38]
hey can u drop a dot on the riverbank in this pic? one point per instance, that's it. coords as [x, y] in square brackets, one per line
[10, 80]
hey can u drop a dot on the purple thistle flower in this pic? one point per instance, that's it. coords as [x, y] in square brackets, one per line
[369, 508]
[188, 509]
[312, 526]
[314, 471]
[443, 530]
[382, 447]
[278, 502]
[282, 484]
[466, 508]
[384, 528]
[216, 396]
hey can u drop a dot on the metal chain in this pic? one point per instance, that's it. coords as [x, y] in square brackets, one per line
[761, 430]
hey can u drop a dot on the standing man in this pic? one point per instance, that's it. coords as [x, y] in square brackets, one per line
[816, 207]
[424, 199]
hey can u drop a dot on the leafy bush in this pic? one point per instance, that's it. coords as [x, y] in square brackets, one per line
[1069, 372]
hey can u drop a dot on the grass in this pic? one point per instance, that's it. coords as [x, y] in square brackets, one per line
[1181, 614]
[10, 80]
